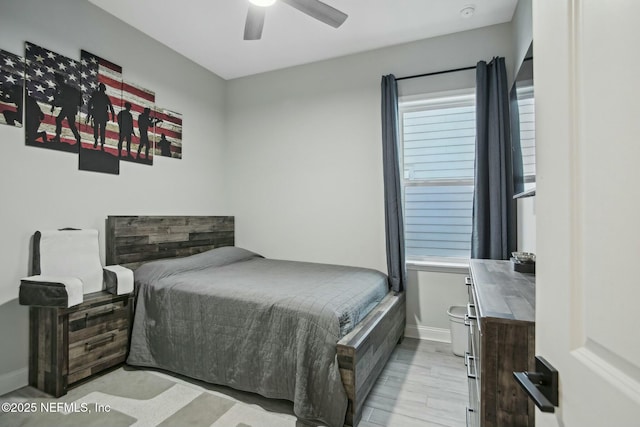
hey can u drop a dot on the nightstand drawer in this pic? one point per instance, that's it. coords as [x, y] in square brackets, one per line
[98, 349]
[98, 338]
[98, 319]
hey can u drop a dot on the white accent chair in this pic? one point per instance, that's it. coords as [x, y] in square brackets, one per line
[65, 266]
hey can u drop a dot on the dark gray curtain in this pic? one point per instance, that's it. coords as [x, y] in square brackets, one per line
[494, 209]
[392, 191]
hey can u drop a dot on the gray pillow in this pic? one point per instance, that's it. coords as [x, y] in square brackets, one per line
[218, 257]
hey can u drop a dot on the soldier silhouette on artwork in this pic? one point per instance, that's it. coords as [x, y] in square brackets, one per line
[69, 99]
[13, 95]
[125, 125]
[145, 121]
[99, 108]
[165, 146]
[34, 117]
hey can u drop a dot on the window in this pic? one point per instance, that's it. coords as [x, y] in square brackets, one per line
[527, 133]
[438, 154]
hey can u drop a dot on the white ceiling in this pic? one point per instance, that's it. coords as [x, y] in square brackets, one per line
[210, 32]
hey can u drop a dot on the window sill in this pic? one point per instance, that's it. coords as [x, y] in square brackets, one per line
[460, 266]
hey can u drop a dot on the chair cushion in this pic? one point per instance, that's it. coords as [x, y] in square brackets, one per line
[50, 291]
[69, 253]
[118, 279]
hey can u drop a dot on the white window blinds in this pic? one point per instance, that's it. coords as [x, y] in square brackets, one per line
[438, 154]
[527, 132]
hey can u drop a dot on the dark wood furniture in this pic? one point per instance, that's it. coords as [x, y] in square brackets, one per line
[133, 240]
[67, 345]
[362, 354]
[501, 319]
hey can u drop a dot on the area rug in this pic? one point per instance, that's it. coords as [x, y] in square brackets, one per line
[140, 398]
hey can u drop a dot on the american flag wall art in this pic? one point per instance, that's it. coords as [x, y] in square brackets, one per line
[85, 107]
[140, 103]
[11, 88]
[101, 86]
[168, 133]
[52, 99]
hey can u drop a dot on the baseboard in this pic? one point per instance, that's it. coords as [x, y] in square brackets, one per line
[427, 333]
[14, 380]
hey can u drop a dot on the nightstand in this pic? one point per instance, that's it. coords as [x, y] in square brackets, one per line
[67, 345]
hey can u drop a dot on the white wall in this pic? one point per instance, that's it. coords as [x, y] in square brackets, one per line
[430, 294]
[305, 145]
[527, 224]
[43, 189]
[522, 24]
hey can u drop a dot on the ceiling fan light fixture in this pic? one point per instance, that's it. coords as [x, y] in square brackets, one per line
[316, 9]
[262, 3]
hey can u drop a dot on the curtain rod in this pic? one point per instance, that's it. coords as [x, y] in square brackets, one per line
[436, 72]
[453, 70]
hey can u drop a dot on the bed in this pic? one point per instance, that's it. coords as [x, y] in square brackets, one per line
[241, 317]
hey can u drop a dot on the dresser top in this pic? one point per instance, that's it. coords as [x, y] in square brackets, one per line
[502, 292]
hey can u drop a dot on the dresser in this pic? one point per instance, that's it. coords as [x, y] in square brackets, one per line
[67, 345]
[501, 320]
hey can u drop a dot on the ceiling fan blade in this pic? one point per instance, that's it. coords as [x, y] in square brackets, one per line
[255, 22]
[320, 11]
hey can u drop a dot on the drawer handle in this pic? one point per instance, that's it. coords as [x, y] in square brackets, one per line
[93, 344]
[469, 374]
[469, 411]
[469, 315]
[100, 313]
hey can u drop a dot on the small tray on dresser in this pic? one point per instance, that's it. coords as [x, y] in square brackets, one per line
[523, 267]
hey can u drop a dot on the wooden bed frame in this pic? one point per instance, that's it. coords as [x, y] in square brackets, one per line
[362, 354]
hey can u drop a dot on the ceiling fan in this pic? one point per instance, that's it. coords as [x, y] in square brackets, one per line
[314, 8]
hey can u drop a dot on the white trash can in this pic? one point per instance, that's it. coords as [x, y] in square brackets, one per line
[459, 334]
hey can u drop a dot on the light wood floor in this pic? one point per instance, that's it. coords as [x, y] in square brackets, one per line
[424, 384]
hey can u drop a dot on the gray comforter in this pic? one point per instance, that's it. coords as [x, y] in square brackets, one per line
[231, 317]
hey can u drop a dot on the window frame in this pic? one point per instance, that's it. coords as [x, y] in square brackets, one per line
[413, 103]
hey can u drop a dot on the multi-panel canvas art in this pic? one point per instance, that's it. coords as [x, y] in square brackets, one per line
[139, 111]
[168, 133]
[52, 99]
[102, 95]
[85, 107]
[11, 88]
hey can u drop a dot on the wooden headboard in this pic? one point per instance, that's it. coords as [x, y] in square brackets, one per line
[132, 240]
